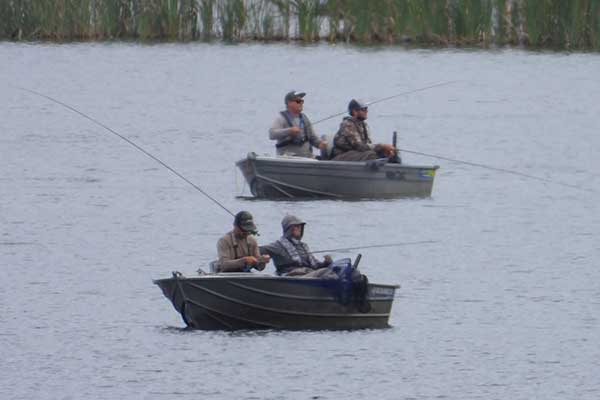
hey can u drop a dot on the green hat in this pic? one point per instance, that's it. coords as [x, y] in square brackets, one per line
[245, 222]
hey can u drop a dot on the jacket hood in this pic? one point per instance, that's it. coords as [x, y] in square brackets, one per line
[290, 220]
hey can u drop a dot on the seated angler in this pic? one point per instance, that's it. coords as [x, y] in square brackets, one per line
[238, 250]
[352, 142]
[292, 257]
[292, 129]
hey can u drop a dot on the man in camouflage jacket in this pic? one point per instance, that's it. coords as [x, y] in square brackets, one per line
[352, 141]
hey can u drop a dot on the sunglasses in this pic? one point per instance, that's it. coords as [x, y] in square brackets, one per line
[299, 101]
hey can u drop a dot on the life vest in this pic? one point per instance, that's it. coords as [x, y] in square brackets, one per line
[301, 139]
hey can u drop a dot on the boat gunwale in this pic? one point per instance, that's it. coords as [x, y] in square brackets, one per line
[255, 276]
[313, 161]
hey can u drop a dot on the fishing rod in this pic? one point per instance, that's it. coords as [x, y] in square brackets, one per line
[389, 98]
[507, 171]
[357, 260]
[375, 246]
[132, 144]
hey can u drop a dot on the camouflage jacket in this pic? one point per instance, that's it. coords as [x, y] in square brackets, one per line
[352, 135]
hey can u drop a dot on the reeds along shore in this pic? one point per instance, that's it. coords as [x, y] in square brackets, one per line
[559, 24]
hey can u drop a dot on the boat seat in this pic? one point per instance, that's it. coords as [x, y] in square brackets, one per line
[213, 267]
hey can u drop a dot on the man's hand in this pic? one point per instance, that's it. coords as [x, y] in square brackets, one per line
[250, 260]
[294, 130]
[265, 258]
[388, 150]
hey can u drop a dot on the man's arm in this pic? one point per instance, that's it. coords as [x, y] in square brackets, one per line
[226, 261]
[276, 252]
[262, 259]
[280, 129]
[314, 140]
[314, 263]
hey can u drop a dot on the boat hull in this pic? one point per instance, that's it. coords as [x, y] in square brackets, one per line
[254, 301]
[298, 177]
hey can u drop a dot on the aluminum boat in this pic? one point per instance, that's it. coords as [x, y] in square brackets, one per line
[290, 177]
[232, 301]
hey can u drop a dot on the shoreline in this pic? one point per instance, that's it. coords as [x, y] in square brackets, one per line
[531, 24]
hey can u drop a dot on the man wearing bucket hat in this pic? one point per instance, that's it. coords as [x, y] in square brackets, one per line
[352, 142]
[292, 257]
[292, 129]
[238, 250]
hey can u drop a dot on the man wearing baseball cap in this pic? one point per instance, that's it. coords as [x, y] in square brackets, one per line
[238, 250]
[292, 129]
[352, 142]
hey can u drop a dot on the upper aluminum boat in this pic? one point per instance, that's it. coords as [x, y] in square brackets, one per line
[232, 301]
[298, 177]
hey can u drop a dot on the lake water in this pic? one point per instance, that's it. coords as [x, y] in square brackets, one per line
[504, 305]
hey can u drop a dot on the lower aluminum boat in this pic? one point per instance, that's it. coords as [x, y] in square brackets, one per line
[232, 301]
[299, 177]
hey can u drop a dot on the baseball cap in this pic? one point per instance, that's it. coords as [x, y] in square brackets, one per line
[293, 95]
[245, 222]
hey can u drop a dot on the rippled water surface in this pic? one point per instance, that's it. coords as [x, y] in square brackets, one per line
[504, 305]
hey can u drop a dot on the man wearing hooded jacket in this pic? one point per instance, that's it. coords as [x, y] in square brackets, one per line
[292, 257]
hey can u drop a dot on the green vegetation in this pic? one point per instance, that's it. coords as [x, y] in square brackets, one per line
[560, 24]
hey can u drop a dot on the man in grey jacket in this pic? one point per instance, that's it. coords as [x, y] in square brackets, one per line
[292, 129]
[292, 257]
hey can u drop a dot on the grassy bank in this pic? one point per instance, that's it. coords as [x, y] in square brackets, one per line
[560, 24]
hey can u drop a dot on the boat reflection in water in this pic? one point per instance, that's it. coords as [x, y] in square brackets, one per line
[231, 301]
[299, 177]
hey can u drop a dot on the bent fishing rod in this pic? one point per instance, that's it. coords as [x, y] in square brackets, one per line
[389, 98]
[131, 143]
[507, 171]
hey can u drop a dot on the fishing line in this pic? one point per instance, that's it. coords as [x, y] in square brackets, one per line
[389, 98]
[508, 171]
[374, 246]
[132, 144]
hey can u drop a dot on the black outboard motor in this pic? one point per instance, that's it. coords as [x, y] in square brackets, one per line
[397, 159]
[352, 287]
[360, 288]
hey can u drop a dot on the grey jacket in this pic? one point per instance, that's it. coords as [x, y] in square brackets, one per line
[287, 144]
[285, 264]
